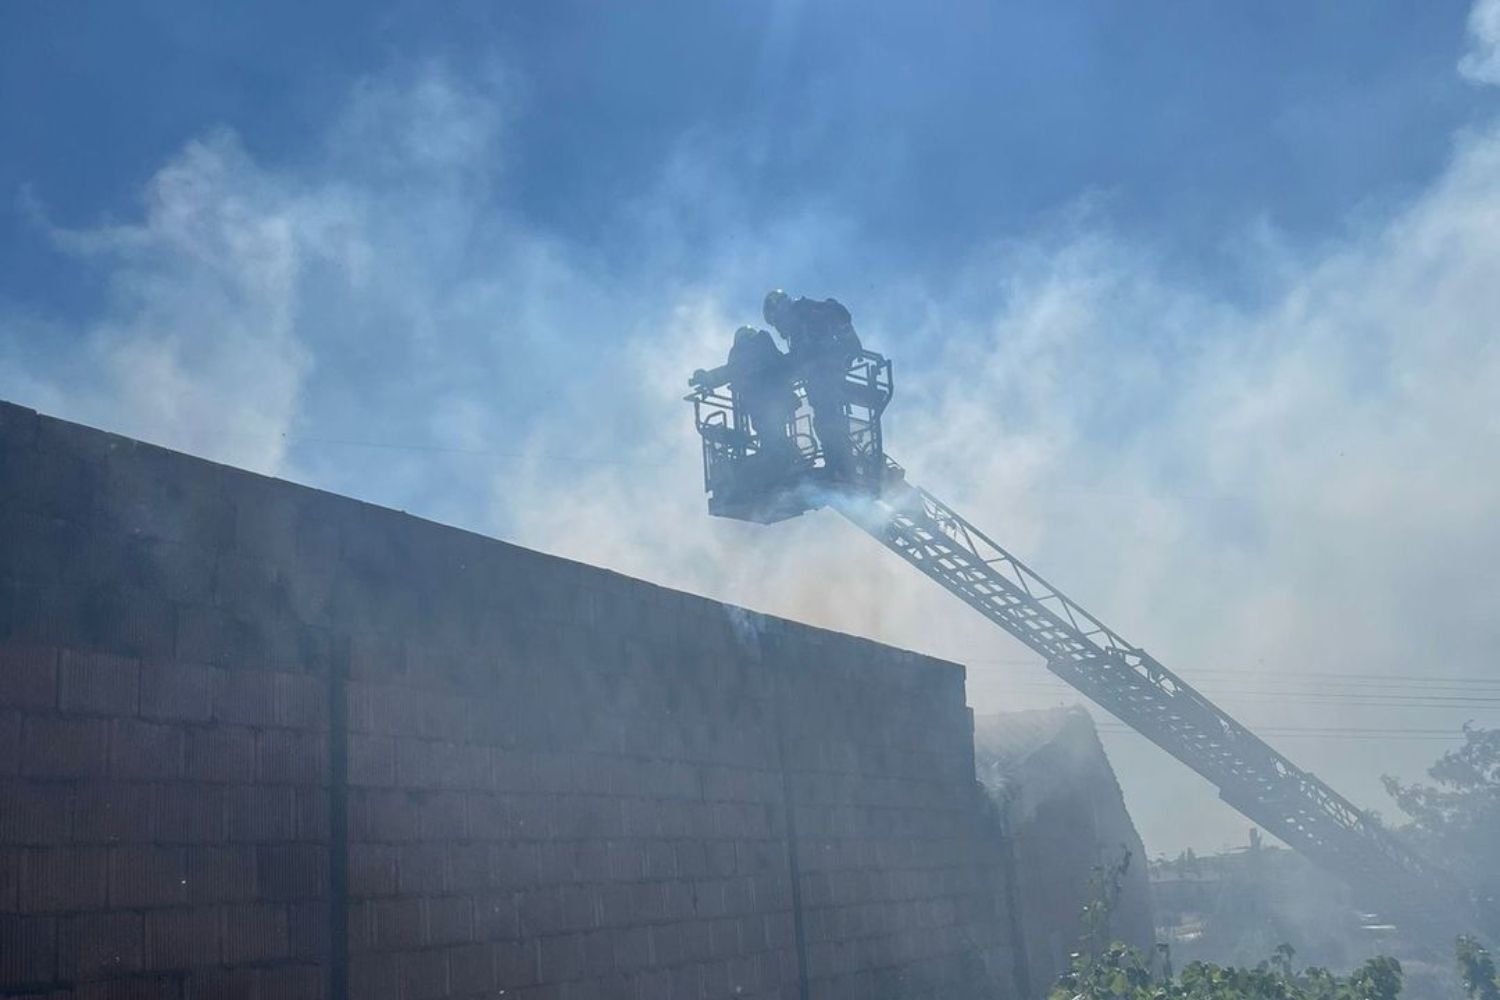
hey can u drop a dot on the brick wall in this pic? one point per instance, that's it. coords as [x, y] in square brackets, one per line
[262, 742]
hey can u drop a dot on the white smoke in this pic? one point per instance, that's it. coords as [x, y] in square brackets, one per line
[1481, 63]
[1306, 484]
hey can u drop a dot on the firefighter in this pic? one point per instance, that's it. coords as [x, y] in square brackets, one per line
[761, 378]
[821, 343]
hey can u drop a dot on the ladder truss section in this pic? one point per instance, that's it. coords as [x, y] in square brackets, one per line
[1250, 775]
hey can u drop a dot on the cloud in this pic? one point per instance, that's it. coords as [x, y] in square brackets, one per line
[1306, 484]
[198, 346]
[371, 289]
[1481, 63]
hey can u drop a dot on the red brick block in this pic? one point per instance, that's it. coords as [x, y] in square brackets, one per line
[28, 950]
[145, 876]
[556, 773]
[723, 937]
[490, 816]
[443, 817]
[372, 870]
[261, 813]
[100, 945]
[471, 970]
[245, 697]
[155, 493]
[176, 693]
[381, 815]
[372, 760]
[661, 859]
[513, 865]
[513, 772]
[143, 988]
[144, 750]
[468, 867]
[246, 583]
[376, 656]
[112, 813]
[302, 701]
[424, 975]
[98, 683]
[627, 860]
[361, 927]
[312, 814]
[33, 812]
[497, 918]
[373, 977]
[189, 813]
[60, 879]
[285, 757]
[450, 920]
[293, 982]
[716, 979]
[28, 676]
[221, 754]
[396, 923]
[423, 763]
[125, 621]
[423, 869]
[10, 742]
[220, 874]
[203, 634]
[186, 938]
[561, 958]
[516, 964]
[10, 879]
[357, 706]
[393, 710]
[225, 984]
[616, 905]
[64, 748]
[541, 912]
[291, 871]
[307, 927]
[255, 933]
[666, 945]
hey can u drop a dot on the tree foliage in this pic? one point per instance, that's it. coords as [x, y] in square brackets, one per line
[1122, 973]
[1477, 971]
[1119, 972]
[1457, 818]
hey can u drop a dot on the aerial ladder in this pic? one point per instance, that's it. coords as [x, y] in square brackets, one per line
[747, 480]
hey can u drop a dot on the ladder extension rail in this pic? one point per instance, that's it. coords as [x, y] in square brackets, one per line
[1122, 678]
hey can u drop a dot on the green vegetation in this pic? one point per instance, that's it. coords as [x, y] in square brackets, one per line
[1476, 971]
[1117, 972]
[1457, 818]
[1121, 973]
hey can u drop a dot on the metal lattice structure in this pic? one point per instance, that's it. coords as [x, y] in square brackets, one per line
[748, 481]
[1121, 678]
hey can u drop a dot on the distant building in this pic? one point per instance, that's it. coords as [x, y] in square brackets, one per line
[1062, 805]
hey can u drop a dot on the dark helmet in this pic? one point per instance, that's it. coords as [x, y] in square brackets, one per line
[743, 334]
[775, 306]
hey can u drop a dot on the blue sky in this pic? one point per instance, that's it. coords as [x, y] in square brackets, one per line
[1191, 303]
[932, 130]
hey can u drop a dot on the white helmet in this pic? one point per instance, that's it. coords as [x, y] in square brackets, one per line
[775, 305]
